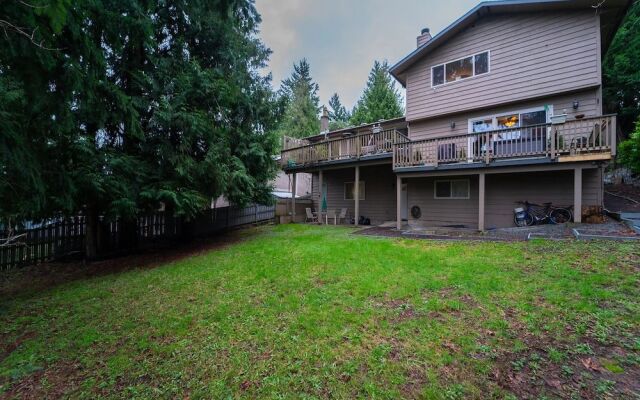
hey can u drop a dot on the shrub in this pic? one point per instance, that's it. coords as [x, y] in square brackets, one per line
[629, 150]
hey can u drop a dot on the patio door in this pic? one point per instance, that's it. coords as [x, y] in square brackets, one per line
[404, 202]
[512, 141]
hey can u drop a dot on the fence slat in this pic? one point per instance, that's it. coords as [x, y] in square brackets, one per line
[67, 236]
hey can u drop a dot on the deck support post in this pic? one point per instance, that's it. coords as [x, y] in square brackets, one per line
[614, 136]
[398, 203]
[552, 150]
[577, 195]
[481, 197]
[293, 197]
[356, 195]
[320, 183]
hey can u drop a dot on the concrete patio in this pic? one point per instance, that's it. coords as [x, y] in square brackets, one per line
[610, 230]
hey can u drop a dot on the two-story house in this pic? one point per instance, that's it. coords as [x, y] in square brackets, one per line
[503, 105]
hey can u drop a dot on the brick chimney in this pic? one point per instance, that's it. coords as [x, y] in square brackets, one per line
[324, 120]
[424, 37]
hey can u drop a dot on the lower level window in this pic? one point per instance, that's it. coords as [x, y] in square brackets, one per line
[451, 189]
[350, 190]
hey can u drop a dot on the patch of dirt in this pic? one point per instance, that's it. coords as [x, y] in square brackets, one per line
[613, 201]
[16, 343]
[450, 294]
[54, 382]
[589, 369]
[48, 275]
[399, 309]
[416, 380]
[247, 385]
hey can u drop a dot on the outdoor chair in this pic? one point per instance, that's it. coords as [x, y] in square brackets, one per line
[332, 214]
[311, 217]
[343, 215]
[370, 148]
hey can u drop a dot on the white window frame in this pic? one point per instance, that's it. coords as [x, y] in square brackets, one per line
[494, 117]
[494, 121]
[362, 185]
[435, 193]
[473, 63]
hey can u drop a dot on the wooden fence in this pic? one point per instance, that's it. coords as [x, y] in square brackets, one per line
[66, 238]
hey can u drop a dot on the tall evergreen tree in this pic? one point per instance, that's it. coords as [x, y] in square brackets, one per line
[621, 75]
[300, 92]
[380, 100]
[301, 76]
[338, 114]
[121, 106]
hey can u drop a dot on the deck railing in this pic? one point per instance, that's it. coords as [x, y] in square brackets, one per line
[351, 147]
[574, 137]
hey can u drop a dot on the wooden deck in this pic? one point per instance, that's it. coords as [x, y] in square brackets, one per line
[299, 153]
[585, 139]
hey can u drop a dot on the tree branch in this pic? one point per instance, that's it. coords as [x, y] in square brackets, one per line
[8, 26]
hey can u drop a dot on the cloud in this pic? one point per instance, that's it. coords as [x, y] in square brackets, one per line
[341, 39]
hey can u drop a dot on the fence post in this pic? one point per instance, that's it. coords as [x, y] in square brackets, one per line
[255, 213]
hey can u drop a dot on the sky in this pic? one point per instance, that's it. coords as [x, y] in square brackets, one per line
[342, 38]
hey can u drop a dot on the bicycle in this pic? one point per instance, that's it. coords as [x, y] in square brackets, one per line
[540, 214]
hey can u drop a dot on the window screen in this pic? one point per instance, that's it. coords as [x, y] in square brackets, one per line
[533, 118]
[481, 62]
[438, 75]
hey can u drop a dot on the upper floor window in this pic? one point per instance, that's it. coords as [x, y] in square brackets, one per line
[460, 69]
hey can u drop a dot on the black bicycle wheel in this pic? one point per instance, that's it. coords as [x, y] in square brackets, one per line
[560, 216]
[526, 221]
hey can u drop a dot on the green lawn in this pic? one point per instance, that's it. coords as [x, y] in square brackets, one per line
[317, 312]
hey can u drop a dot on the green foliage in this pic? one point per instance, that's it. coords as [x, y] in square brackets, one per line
[338, 114]
[118, 106]
[629, 150]
[300, 94]
[620, 72]
[380, 100]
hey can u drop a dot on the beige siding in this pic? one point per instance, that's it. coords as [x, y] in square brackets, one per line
[283, 183]
[379, 204]
[441, 212]
[502, 191]
[589, 105]
[532, 55]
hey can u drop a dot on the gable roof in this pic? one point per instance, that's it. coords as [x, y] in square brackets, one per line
[612, 12]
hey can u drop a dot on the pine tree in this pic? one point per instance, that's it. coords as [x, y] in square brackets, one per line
[301, 76]
[118, 107]
[621, 75]
[338, 114]
[300, 117]
[380, 100]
